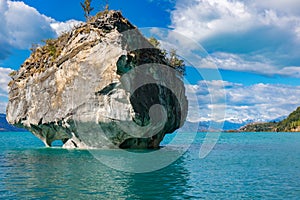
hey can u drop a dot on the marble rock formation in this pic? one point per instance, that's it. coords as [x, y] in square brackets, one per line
[101, 85]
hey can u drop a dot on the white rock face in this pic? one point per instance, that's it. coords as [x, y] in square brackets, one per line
[103, 86]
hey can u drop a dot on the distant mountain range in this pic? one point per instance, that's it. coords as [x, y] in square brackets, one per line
[228, 125]
[5, 126]
[203, 126]
[289, 124]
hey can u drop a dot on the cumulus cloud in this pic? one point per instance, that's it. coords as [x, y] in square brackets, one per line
[203, 19]
[4, 79]
[287, 6]
[207, 100]
[264, 33]
[235, 62]
[259, 102]
[22, 25]
[61, 27]
[207, 19]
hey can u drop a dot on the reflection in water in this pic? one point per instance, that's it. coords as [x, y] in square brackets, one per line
[49, 173]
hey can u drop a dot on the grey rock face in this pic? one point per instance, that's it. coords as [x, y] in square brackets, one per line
[103, 86]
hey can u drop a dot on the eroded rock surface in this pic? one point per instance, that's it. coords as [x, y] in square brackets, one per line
[102, 85]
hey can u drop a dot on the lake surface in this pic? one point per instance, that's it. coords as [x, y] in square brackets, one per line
[241, 166]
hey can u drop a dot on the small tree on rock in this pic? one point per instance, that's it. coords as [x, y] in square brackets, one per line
[154, 42]
[172, 58]
[86, 6]
[106, 5]
[176, 62]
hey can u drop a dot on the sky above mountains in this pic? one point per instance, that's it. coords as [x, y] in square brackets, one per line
[255, 45]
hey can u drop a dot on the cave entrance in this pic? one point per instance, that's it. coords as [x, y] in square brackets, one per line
[57, 143]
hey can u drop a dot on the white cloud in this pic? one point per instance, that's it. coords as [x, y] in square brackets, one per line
[61, 27]
[256, 102]
[207, 100]
[265, 34]
[236, 63]
[209, 18]
[290, 71]
[4, 79]
[286, 6]
[22, 25]
[263, 101]
[202, 19]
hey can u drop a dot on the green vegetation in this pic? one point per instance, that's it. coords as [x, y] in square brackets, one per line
[172, 58]
[51, 47]
[259, 127]
[13, 73]
[154, 42]
[54, 53]
[175, 62]
[87, 8]
[41, 58]
[34, 47]
[290, 124]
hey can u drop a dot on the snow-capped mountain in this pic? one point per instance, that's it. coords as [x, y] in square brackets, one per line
[228, 124]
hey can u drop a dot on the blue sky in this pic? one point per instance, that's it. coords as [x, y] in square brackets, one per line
[255, 45]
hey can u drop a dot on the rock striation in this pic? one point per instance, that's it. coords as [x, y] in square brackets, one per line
[101, 85]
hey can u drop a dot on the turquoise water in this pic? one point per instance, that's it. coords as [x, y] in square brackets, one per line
[241, 166]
